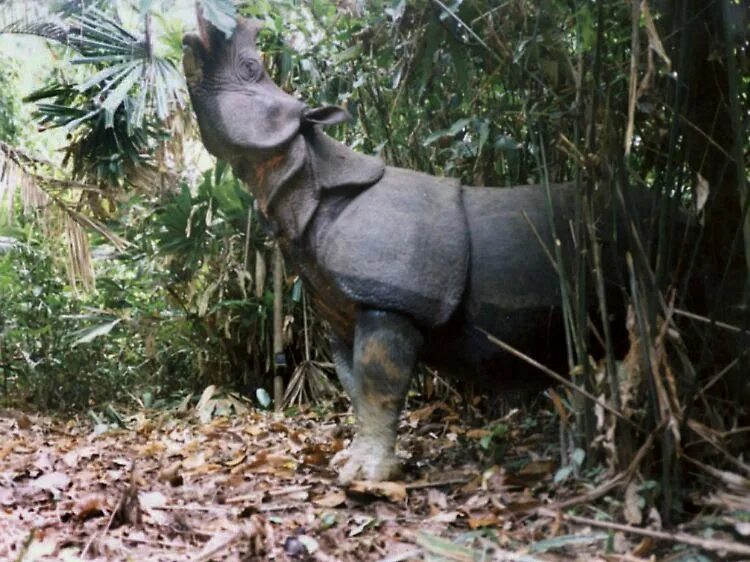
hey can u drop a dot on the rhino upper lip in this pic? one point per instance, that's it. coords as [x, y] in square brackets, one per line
[195, 42]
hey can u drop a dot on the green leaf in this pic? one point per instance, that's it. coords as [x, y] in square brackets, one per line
[116, 98]
[99, 77]
[579, 455]
[90, 334]
[459, 126]
[586, 27]
[221, 13]
[263, 397]
[506, 143]
[433, 35]
[445, 548]
[563, 474]
[454, 129]
[347, 54]
[219, 169]
[567, 540]
[484, 133]
[433, 137]
[485, 441]
[297, 290]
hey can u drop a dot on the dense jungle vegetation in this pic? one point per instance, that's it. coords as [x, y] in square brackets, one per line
[136, 272]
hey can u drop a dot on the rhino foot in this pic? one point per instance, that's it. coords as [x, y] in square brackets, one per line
[367, 459]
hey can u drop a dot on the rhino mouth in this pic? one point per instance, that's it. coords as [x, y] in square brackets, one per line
[193, 56]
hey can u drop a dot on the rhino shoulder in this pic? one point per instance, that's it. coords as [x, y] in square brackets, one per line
[401, 245]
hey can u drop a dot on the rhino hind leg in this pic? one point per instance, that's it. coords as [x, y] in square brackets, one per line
[376, 375]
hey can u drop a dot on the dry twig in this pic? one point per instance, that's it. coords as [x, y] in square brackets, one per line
[713, 545]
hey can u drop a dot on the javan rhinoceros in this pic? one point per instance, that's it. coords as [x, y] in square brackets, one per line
[405, 266]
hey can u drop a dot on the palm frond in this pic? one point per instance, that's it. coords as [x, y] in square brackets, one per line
[16, 177]
[88, 30]
[19, 176]
[79, 264]
[86, 221]
[221, 13]
[127, 66]
[52, 30]
[12, 12]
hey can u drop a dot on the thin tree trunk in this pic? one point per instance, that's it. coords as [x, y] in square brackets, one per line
[278, 344]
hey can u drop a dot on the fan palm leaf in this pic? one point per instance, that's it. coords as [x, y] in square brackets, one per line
[127, 67]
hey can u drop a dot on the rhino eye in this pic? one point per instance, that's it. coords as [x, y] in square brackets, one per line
[250, 70]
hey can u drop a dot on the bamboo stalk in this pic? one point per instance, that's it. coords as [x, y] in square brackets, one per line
[714, 545]
[555, 376]
[737, 129]
[278, 344]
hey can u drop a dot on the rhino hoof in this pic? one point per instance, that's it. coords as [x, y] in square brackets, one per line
[365, 460]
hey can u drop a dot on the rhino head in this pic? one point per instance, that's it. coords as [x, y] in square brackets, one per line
[271, 139]
[241, 112]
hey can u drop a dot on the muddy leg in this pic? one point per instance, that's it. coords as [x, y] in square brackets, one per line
[384, 355]
[342, 359]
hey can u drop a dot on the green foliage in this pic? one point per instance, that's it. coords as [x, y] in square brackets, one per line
[122, 339]
[484, 89]
[181, 296]
[9, 103]
[217, 256]
[116, 110]
[102, 149]
[37, 329]
[496, 442]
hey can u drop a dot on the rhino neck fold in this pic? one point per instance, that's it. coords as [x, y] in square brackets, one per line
[288, 183]
[284, 187]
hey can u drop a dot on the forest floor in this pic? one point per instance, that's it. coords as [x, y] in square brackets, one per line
[190, 484]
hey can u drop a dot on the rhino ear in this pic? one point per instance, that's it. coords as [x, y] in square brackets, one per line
[326, 115]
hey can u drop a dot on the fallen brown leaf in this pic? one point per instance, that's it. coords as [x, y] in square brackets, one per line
[331, 499]
[392, 491]
[52, 482]
[90, 507]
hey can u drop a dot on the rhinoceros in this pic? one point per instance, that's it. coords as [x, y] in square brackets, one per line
[404, 266]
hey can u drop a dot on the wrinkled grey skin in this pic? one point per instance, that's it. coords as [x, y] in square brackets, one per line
[403, 265]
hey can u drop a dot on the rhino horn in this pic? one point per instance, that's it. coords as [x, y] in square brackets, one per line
[210, 36]
[211, 43]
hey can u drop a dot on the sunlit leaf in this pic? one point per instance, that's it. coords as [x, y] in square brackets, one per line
[264, 399]
[221, 13]
[90, 334]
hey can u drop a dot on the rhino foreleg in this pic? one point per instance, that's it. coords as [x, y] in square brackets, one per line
[343, 360]
[376, 375]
